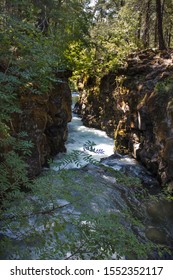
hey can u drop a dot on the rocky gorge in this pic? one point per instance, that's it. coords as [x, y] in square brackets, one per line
[72, 210]
[44, 117]
[111, 209]
[134, 105]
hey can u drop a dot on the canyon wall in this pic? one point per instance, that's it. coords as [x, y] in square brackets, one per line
[134, 105]
[45, 117]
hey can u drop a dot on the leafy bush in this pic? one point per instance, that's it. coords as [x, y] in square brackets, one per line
[165, 87]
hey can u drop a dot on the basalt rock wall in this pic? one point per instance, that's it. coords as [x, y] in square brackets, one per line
[45, 117]
[135, 107]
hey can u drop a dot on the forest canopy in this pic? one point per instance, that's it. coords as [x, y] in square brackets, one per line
[77, 35]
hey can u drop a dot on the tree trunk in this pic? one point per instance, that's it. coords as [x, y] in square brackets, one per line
[159, 25]
[139, 27]
[146, 37]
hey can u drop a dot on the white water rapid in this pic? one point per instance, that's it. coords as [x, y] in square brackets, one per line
[46, 223]
[79, 135]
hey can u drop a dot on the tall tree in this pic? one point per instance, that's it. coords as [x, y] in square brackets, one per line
[159, 13]
[146, 33]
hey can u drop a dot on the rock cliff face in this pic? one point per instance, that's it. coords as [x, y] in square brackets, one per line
[44, 118]
[135, 106]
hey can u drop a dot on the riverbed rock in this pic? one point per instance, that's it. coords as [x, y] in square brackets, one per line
[92, 212]
[135, 107]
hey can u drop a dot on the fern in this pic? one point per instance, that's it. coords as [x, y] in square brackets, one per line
[89, 146]
[75, 157]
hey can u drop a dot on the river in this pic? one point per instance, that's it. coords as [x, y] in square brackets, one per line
[158, 211]
[90, 197]
[79, 135]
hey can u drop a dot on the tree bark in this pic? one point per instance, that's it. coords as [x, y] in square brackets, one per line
[139, 27]
[159, 19]
[146, 35]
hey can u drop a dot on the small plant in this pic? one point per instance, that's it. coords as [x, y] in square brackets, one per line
[164, 88]
[89, 146]
[78, 157]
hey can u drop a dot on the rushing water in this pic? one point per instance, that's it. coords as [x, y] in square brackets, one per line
[158, 212]
[104, 194]
[79, 135]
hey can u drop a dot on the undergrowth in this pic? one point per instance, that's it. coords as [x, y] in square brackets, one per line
[55, 219]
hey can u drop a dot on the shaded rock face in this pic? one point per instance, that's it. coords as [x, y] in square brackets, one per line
[135, 107]
[44, 117]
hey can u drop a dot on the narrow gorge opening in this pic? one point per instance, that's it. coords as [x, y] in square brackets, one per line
[98, 185]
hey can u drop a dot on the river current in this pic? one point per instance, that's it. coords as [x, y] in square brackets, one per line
[79, 135]
[158, 210]
[102, 194]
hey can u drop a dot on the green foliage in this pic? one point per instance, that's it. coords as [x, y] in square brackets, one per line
[164, 88]
[75, 157]
[112, 36]
[47, 222]
[106, 235]
[124, 179]
[35, 36]
[167, 193]
[116, 30]
[13, 176]
[13, 146]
